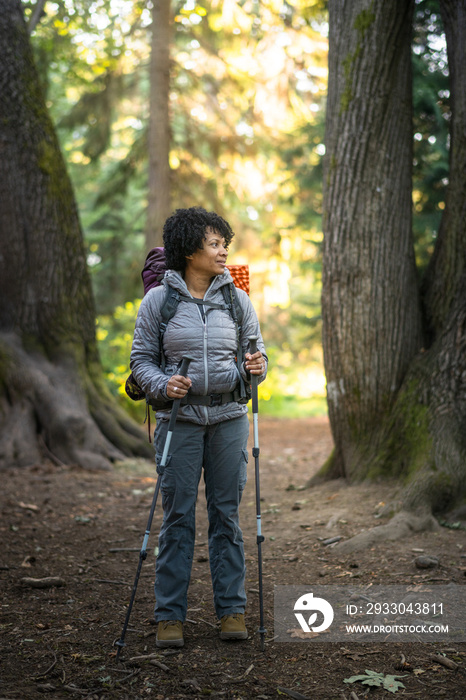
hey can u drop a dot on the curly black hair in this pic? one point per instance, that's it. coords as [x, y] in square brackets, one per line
[184, 233]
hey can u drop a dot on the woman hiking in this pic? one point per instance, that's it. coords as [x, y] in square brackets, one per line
[212, 426]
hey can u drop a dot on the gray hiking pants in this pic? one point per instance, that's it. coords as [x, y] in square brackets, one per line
[220, 449]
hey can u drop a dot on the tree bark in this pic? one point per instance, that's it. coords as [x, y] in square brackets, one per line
[439, 374]
[415, 424]
[448, 261]
[158, 206]
[370, 301]
[52, 398]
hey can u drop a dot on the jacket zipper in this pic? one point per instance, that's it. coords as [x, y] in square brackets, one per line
[206, 369]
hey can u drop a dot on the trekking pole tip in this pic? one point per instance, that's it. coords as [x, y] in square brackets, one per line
[262, 632]
[119, 644]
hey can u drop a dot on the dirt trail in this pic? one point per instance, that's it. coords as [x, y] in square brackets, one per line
[86, 528]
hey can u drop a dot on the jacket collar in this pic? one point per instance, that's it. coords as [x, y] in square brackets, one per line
[175, 280]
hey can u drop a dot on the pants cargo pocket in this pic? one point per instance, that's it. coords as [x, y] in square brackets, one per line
[243, 473]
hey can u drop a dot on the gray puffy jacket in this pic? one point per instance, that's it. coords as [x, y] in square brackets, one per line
[211, 342]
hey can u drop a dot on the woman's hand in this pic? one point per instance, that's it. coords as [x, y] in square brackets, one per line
[255, 364]
[178, 386]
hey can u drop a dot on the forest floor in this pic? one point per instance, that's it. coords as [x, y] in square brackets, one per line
[86, 528]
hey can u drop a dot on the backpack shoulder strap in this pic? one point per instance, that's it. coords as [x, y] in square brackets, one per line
[173, 298]
[204, 302]
[169, 307]
[231, 299]
[167, 311]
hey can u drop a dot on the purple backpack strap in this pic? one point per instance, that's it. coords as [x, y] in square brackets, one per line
[154, 269]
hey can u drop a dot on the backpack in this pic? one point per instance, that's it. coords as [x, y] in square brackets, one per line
[152, 275]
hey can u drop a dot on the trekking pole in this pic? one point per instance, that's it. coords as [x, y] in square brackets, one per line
[255, 454]
[143, 553]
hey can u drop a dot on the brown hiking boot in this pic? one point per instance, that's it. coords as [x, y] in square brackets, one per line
[169, 634]
[233, 627]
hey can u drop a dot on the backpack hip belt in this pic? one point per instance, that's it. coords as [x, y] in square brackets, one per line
[210, 400]
[192, 400]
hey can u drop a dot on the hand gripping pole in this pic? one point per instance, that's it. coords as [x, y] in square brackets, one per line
[255, 454]
[143, 553]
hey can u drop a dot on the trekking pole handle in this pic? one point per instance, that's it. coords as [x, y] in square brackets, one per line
[176, 404]
[184, 365]
[253, 343]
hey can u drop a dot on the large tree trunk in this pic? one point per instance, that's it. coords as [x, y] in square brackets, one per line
[370, 301]
[158, 205]
[52, 398]
[448, 262]
[434, 391]
[420, 438]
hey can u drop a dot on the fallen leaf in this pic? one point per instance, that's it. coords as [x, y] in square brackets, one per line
[298, 633]
[28, 562]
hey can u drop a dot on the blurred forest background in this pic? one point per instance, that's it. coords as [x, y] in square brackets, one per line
[246, 106]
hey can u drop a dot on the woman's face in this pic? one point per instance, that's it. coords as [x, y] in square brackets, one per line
[211, 259]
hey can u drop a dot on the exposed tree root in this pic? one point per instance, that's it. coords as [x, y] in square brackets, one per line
[434, 488]
[401, 526]
[423, 445]
[48, 411]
